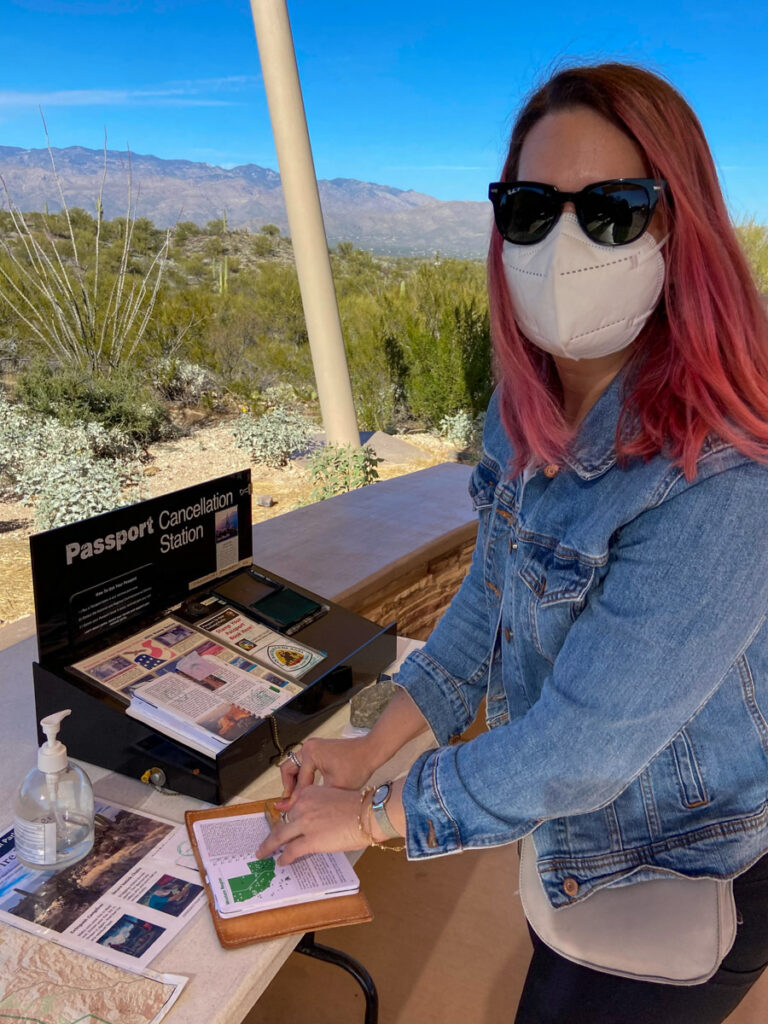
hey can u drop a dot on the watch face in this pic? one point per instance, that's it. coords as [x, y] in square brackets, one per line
[381, 793]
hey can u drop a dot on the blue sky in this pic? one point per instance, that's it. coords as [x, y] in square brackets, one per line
[416, 95]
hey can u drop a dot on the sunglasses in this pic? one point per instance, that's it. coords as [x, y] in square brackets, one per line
[612, 212]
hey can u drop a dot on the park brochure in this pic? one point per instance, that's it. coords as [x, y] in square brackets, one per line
[122, 903]
[241, 884]
[188, 685]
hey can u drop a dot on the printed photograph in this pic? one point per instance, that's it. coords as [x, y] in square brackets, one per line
[229, 721]
[174, 635]
[244, 664]
[209, 647]
[170, 895]
[110, 668]
[131, 936]
[226, 524]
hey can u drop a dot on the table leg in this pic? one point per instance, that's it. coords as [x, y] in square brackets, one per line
[309, 947]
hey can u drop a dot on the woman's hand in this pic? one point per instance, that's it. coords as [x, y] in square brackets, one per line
[321, 819]
[344, 764]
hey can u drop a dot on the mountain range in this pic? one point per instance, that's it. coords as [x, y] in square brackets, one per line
[379, 218]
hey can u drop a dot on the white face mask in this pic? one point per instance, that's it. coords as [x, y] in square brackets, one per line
[575, 298]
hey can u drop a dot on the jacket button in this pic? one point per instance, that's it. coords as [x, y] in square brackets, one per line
[551, 470]
[513, 545]
[570, 886]
[507, 634]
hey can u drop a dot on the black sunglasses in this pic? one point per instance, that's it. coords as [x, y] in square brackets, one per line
[610, 212]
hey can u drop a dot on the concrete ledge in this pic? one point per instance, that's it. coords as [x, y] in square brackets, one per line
[347, 547]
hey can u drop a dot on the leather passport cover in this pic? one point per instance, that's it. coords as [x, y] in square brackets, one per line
[271, 924]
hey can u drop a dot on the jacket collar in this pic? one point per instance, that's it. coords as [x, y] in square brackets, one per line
[593, 451]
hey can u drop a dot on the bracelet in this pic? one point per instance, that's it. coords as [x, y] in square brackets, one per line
[363, 794]
[379, 846]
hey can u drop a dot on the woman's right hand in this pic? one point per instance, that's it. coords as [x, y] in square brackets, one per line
[344, 764]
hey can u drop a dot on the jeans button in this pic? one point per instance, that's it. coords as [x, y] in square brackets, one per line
[513, 545]
[551, 470]
[570, 887]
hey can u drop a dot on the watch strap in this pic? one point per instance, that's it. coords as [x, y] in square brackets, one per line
[379, 811]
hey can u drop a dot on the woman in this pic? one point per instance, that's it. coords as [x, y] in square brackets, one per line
[614, 614]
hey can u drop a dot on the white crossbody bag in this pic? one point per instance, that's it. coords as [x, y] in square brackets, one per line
[670, 930]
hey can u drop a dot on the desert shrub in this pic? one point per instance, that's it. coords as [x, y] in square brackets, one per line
[80, 485]
[122, 400]
[274, 437]
[178, 380]
[281, 394]
[335, 469]
[458, 428]
[264, 245]
[66, 472]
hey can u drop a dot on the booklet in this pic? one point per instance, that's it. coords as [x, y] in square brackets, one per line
[241, 884]
[264, 922]
[206, 702]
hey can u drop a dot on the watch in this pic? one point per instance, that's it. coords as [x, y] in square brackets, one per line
[379, 800]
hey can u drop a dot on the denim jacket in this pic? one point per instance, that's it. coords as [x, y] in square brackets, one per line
[614, 620]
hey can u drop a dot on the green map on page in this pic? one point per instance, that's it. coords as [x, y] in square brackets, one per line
[261, 874]
[242, 884]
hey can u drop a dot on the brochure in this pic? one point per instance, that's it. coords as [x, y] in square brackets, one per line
[266, 646]
[139, 657]
[122, 903]
[241, 884]
[188, 685]
[206, 702]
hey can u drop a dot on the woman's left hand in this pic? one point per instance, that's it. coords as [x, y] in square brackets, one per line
[321, 819]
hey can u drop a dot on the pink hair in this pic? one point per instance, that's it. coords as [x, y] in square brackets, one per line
[701, 367]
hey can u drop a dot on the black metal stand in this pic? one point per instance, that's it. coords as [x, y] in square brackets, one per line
[309, 947]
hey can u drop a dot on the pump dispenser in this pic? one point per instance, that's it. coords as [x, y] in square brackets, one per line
[53, 822]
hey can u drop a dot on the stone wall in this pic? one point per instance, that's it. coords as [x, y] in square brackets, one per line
[419, 595]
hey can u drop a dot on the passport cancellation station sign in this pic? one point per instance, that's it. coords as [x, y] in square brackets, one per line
[105, 578]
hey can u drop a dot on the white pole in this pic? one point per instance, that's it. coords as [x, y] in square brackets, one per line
[305, 219]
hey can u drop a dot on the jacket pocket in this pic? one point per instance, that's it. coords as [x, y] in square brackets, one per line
[482, 485]
[558, 592]
[689, 777]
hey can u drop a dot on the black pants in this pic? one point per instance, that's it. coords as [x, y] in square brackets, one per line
[557, 991]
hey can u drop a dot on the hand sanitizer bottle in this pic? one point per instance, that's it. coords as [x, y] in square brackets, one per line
[53, 821]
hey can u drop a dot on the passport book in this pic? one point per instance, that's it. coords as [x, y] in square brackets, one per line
[254, 900]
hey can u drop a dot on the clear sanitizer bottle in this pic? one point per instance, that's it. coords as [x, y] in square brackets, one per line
[53, 816]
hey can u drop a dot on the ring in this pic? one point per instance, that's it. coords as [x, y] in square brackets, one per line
[294, 757]
[286, 819]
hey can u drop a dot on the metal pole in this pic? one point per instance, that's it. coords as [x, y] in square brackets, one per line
[305, 219]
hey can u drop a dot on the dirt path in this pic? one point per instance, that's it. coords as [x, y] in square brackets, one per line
[208, 452]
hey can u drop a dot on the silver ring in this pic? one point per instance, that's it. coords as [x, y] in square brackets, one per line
[295, 758]
[286, 819]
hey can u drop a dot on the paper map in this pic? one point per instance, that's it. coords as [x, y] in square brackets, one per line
[44, 983]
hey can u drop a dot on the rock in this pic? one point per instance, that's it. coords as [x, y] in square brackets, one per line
[366, 707]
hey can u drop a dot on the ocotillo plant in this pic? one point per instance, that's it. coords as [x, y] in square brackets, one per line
[85, 310]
